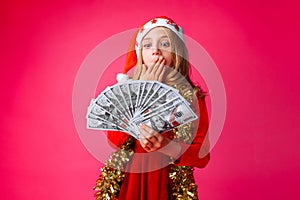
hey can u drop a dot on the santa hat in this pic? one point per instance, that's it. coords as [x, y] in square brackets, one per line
[136, 41]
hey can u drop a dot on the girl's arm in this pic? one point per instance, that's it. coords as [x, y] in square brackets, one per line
[116, 138]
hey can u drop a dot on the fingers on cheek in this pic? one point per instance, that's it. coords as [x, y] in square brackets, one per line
[156, 60]
[161, 77]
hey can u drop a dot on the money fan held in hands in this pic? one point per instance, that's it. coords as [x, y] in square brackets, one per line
[126, 106]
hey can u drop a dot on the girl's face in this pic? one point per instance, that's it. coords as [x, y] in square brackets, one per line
[156, 43]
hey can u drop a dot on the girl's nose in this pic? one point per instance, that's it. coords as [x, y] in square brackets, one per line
[156, 51]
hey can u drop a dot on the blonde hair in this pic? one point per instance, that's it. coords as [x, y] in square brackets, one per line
[180, 62]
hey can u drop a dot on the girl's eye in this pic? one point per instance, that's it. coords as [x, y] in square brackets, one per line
[147, 45]
[165, 44]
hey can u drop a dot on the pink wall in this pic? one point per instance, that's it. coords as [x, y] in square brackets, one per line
[254, 44]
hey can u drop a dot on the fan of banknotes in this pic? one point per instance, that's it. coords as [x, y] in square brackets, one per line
[125, 106]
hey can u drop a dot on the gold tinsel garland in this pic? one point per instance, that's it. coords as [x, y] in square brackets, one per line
[108, 184]
[183, 183]
[182, 177]
[182, 180]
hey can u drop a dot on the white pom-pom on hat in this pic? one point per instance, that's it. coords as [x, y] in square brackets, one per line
[122, 77]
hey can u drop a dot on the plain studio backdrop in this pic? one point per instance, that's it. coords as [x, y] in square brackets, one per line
[255, 45]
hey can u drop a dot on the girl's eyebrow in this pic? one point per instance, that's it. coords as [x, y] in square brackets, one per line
[162, 37]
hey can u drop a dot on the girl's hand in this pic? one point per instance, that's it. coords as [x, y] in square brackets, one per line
[154, 72]
[151, 141]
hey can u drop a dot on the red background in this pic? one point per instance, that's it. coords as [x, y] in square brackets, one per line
[254, 44]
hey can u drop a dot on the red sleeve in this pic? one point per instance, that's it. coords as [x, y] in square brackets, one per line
[116, 138]
[191, 157]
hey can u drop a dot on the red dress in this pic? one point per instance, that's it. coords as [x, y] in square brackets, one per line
[147, 176]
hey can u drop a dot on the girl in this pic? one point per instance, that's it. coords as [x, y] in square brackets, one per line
[158, 166]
